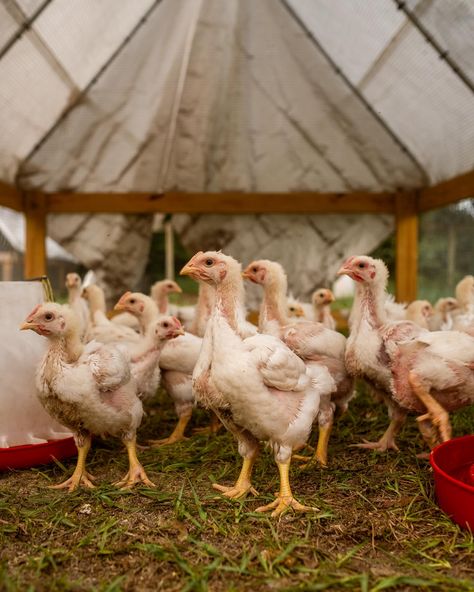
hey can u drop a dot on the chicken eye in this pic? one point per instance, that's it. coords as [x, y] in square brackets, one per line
[361, 265]
[292, 308]
[255, 269]
[48, 316]
[209, 262]
[132, 301]
[166, 325]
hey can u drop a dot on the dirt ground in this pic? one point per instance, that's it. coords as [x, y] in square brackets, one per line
[377, 527]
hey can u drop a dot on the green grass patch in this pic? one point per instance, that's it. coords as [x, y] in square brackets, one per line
[377, 527]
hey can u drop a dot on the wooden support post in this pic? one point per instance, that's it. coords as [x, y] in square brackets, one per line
[169, 250]
[35, 243]
[406, 265]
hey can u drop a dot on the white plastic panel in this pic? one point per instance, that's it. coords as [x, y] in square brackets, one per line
[22, 417]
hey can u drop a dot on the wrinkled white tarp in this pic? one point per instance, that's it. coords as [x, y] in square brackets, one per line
[206, 95]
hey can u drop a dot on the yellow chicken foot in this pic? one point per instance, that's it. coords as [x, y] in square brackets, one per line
[321, 454]
[80, 475]
[428, 432]
[242, 485]
[285, 499]
[436, 413]
[386, 442]
[213, 427]
[177, 435]
[136, 473]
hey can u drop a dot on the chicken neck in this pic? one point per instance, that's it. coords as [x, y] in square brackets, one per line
[273, 308]
[368, 306]
[161, 299]
[204, 307]
[96, 301]
[67, 347]
[149, 314]
[230, 299]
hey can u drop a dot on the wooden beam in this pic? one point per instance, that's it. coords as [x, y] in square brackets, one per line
[448, 192]
[224, 203]
[406, 262]
[35, 247]
[10, 197]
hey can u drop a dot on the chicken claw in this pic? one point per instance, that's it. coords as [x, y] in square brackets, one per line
[166, 441]
[242, 485]
[177, 435]
[381, 445]
[76, 479]
[284, 499]
[136, 473]
[80, 475]
[235, 491]
[213, 427]
[134, 476]
[284, 503]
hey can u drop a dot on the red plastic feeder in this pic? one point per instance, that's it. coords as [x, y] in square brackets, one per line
[32, 455]
[453, 466]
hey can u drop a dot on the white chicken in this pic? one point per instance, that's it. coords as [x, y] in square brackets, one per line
[311, 341]
[420, 313]
[74, 291]
[145, 355]
[87, 388]
[101, 328]
[160, 291]
[463, 318]
[258, 387]
[442, 318]
[321, 300]
[414, 369]
[177, 360]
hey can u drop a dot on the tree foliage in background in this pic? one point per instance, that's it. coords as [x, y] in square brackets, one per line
[446, 249]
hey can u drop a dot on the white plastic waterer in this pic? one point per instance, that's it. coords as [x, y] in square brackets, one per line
[22, 418]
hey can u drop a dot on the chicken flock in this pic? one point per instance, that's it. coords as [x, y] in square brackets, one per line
[272, 384]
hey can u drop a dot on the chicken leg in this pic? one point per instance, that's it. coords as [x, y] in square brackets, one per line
[436, 413]
[285, 499]
[242, 485]
[177, 435]
[80, 475]
[387, 441]
[321, 453]
[136, 473]
[213, 427]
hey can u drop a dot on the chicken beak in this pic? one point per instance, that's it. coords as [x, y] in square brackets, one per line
[299, 312]
[179, 331]
[188, 269]
[246, 275]
[121, 303]
[26, 326]
[177, 289]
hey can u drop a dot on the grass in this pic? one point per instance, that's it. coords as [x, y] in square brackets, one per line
[377, 528]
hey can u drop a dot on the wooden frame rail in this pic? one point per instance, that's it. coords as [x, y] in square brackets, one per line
[404, 205]
[224, 203]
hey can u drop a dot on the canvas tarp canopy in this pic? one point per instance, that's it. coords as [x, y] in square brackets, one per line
[214, 96]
